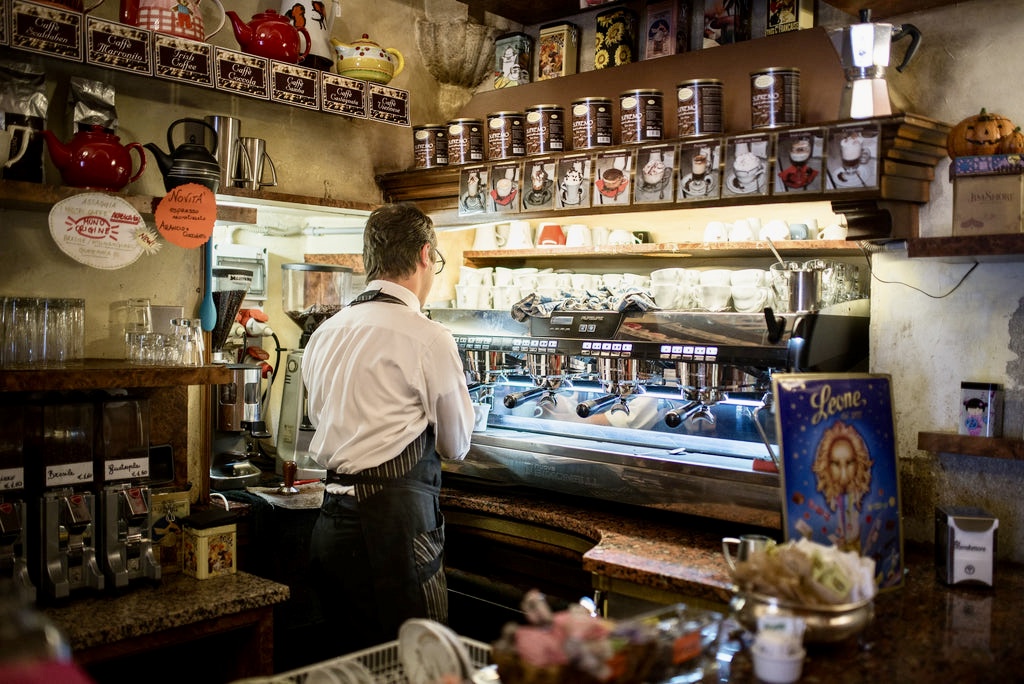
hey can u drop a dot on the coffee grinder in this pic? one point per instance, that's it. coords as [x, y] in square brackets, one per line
[13, 539]
[312, 294]
[238, 404]
[125, 541]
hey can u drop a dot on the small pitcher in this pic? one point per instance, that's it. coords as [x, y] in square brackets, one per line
[746, 545]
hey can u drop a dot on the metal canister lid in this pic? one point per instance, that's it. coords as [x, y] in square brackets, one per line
[429, 127]
[585, 100]
[699, 81]
[640, 91]
[464, 120]
[508, 113]
[775, 70]
[542, 107]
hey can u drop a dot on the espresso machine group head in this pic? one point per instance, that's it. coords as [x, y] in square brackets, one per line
[311, 293]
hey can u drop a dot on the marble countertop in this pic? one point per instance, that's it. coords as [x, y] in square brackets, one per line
[924, 631]
[178, 600]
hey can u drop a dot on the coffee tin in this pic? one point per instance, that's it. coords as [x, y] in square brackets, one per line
[698, 108]
[775, 97]
[506, 135]
[430, 146]
[465, 141]
[591, 122]
[640, 115]
[545, 129]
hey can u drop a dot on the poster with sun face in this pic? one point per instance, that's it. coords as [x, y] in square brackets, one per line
[840, 483]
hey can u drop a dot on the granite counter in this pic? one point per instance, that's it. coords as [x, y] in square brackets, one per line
[924, 631]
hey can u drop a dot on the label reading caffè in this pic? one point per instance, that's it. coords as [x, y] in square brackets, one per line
[46, 29]
[4, 37]
[295, 85]
[345, 96]
[180, 59]
[389, 105]
[243, 74]
[117, 46]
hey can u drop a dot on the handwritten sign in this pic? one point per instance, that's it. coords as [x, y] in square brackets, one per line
[186, 214]
[97, 230]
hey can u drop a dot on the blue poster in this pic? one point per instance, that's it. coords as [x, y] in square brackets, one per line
[837, 438]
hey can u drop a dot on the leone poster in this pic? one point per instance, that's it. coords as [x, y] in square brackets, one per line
[840, 484]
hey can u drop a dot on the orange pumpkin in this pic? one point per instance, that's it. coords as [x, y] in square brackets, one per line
[1013, 143]
[980, 134]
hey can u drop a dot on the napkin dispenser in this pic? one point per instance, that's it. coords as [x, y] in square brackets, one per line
[965, 545]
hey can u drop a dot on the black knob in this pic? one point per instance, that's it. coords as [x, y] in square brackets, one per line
[673, 419]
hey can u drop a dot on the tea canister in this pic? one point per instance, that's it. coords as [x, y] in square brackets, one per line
[513, 59]
[640, 115]
[699, 108]
[775, 97]
[506, 135]
[591, 122]
[615, 40]
[465, 141]
[430, 146]
[545, 129]
[557, 50]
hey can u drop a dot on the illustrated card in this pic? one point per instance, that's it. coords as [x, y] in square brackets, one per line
[655, 170]
[837, 440]
[611, 178]
[699, 170]
[746, 165]
[473, 190]
[572, 182]
[503, 196]
[539, 185]
[852, 157]
[798, 159]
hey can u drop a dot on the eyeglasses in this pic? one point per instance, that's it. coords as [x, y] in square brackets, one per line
[438, 260]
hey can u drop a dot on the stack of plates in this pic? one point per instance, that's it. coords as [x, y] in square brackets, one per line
[429, 651]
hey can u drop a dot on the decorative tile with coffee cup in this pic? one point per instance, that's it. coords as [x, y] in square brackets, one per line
[852, 157]
[798, 160]
[612, 178]
[503, 196]
[746, 165]
[572, 182]
[539, 185]
[654, 174]
[699, 170]
[473, 191]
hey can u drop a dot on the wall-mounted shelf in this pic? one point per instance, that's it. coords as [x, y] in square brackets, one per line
[94, 374]
[953, 443]
[1007, 247]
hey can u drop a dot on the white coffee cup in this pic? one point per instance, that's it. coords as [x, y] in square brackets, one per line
[504, 296]
[481, 410]
[749, 276]
[583, 281]
[486, 238]
[667, 276]
[714, 297]
[578, 235]
[716, 276]
[621, 236]
[5, 144]
[520, 235]
[833, 231]
[503, 275]
[776, 230]
[612, 281]
[666, 295]
[599, 236]
[741, 231]
[715, 231]
[749, 298]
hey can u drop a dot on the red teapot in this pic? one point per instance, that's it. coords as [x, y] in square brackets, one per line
[95, 159]
[271, 35]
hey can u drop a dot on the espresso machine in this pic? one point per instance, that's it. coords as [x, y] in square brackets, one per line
[238, 405]
[65, 551]
[125, 540]
[312, 293]
[664, 409]
[864, 54]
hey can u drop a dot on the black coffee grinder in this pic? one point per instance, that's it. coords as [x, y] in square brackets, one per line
[238, 405]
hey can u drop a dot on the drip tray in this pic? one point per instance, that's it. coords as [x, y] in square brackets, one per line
[237, 475]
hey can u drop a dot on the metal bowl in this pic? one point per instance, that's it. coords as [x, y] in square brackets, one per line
[825, 624]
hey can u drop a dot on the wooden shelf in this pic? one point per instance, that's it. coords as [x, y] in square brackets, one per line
[94, 374]
[1008, 247]
[953, 443]
[787, 248]
[542, 11]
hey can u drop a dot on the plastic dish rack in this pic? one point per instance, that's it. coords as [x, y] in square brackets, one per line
[382, 662]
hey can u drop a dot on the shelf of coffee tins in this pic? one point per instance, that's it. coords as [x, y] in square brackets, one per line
[879, 192]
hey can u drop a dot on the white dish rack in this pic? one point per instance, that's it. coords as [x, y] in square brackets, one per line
[382, 661]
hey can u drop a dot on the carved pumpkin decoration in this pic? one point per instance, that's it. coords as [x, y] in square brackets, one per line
[981, 134]
[1013, 143]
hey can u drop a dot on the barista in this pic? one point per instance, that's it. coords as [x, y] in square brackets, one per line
[388, 397]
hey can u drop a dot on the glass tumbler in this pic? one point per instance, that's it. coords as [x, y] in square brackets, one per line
[138, 321]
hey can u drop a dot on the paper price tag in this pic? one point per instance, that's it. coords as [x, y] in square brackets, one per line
[186, 214]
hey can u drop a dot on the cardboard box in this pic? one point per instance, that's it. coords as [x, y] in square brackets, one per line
[166, 512]
[210, 552]
[986, 205]
[965, 545]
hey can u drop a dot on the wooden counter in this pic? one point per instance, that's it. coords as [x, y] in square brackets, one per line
[922, 632]
[217, 629]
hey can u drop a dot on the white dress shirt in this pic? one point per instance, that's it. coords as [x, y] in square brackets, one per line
[377, 374]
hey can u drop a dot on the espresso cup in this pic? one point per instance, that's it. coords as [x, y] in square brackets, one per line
[775, 230]
[798, 231]
[486, 238]
[741, 231]
[749, 298]
[550, 235]
[833, 231]
[599, 235]
[519, 235]
[714, 297]
[578, 235]
[621, 236]
[715, 231]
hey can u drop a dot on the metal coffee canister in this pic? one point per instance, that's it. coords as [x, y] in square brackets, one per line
[591, 122]
[641, 115]
[699, 108]
[465, 141]
[775, 97]
[545, 129]
[506, 135]
[430, 146]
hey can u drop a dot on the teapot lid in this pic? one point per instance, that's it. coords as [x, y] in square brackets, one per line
[365, 40]
[270, 15]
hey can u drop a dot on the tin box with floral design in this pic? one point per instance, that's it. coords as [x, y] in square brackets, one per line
[615, 38]
[558, 49]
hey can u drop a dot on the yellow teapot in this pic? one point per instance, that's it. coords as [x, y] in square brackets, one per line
[364, 59]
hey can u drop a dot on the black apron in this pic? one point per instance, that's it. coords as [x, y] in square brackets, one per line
[400, 514]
